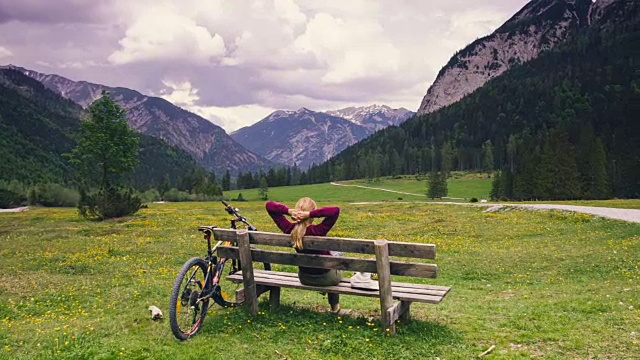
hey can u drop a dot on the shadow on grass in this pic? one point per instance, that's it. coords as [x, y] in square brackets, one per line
[294, 331]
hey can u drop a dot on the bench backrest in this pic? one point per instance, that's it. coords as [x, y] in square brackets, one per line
[345, 245]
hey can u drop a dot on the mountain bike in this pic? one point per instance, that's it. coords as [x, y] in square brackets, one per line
[203, 279]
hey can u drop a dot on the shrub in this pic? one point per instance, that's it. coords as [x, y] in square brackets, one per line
[150, 195]
[176, 195]
[108, 204]
[9, 199]
[473, 200]
[52, 195]
[239, 198]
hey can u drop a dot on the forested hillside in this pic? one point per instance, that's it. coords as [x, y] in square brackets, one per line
[562, 126]
[37, 127]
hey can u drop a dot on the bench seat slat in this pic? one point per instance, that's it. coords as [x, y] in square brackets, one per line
[284, 279]
[399, 287]
[361, 246]
[331, 262]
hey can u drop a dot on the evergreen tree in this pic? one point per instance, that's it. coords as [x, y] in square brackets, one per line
[598, 188]
[448, 156]
[496, 186]
[437, 185]
[107, 148]
[164, 186]
[263, 191]
[487, 156]
[226, 181]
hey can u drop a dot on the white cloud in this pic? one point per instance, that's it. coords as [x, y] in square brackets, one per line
[179, 93]
[234, 117]
[5, 53]
[162, 33]
[235, 61]
[230, 118]
[351, 49]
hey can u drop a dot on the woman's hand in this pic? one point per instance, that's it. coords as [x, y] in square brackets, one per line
[299, 215]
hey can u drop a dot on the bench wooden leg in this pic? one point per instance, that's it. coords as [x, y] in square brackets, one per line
[274, 297]
[250, 291]
[405, 314]
[384, 282]
[333, 299]
[399, 310]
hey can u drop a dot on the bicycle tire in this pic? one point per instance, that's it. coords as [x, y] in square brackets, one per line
[186, 313]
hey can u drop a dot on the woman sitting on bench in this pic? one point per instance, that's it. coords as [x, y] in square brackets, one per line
[303, 214]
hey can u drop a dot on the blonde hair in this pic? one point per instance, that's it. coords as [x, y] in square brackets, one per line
[299, 229]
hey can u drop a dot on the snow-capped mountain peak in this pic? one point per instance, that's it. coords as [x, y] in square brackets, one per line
[373, 117]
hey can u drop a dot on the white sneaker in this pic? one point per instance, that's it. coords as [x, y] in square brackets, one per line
[362, 280]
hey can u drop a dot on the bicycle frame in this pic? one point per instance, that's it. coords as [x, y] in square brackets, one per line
[215, 266]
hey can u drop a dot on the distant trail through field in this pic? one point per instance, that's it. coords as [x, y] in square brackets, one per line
[393, 191]
[24, 208]
[630, 215]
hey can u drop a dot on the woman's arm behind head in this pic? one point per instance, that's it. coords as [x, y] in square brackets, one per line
[277, 212]
[330, 215]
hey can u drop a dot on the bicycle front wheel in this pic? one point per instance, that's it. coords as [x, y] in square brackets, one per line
[187, 307]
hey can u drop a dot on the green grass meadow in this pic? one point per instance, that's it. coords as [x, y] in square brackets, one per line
[461, 186]
[534, 284]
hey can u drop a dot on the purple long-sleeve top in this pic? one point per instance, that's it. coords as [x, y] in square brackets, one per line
[330, 214]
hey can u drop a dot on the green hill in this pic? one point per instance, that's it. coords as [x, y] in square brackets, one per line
[37, 127]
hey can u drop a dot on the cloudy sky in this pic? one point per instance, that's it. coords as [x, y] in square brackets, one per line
[235, 61]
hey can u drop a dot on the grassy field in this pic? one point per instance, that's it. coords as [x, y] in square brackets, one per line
[534, 284]
[460, 186]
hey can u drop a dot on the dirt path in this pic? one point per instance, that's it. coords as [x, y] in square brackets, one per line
[630, 215]
[393, 191]
[24, 208]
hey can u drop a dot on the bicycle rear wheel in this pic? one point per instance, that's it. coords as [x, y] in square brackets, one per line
[186, 308]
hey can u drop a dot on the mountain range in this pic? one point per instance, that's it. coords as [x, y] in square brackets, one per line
[305, 137]
[537, 27]
[301, 137]
[206, 142]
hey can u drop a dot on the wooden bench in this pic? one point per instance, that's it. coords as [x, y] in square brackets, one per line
[258, 282]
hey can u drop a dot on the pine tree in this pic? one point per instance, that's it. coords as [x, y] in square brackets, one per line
[496, 186]
[107, 149]
[164, 186]
[448, 156]
[226, 181]
[487, 156]
[437, 185]
[598, 188]
[263, 191]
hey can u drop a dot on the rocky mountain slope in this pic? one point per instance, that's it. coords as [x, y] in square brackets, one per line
[209, 144]
[304, 137]
[301, 137]
[538, 27]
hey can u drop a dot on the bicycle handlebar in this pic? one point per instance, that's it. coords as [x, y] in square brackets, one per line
[234, 211]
